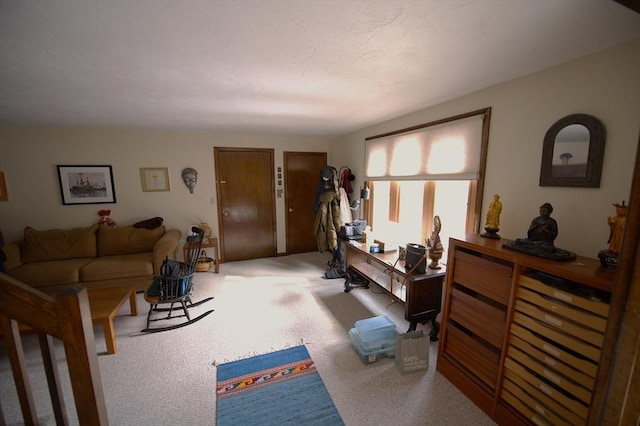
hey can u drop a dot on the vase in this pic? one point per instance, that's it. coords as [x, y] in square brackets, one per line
[435, 257]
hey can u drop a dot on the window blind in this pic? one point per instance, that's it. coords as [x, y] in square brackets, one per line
[450, 150]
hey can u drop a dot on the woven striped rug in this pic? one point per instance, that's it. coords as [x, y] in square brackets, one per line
[279, 388]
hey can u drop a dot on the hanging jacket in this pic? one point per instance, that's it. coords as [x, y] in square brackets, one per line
[328, 221]
[345, 208]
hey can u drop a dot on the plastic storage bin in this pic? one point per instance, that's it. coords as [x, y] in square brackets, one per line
[369, 356]
[388, 339]
[375, 329]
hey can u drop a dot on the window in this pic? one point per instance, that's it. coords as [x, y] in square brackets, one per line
[431, 169]
[418, 203]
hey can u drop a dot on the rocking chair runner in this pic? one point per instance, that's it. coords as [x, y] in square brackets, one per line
[174, 286]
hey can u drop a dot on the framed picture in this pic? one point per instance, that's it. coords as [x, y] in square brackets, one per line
[155, 179]
[86, 184]
[4, 196]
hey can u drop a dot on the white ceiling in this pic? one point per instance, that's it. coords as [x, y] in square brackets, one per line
[305, 67]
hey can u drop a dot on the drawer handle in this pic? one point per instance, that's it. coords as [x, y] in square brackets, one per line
[540, 409]
[551, 350]
[562, 296]
[549, 375]
[546, 389]
[553, 320]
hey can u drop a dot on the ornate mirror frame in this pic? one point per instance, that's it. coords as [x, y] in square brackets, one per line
[589, 176]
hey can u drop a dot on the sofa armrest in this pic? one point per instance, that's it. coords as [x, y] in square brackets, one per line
[166, 246]
[12, 251]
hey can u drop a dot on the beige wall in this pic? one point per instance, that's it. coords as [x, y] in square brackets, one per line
[605, 85]
[29, 156]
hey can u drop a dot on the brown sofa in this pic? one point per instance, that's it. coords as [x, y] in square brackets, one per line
[97, 256]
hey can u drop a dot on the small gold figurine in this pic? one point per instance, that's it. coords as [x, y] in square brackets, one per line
[493, 219]
[609, 257]
[616, 227]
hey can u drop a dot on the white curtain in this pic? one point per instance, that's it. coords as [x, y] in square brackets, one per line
[446, 151]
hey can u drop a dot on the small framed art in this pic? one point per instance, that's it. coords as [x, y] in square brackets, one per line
[155, 179]
[86, 184]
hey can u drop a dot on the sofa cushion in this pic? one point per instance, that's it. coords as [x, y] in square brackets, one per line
[45, 274]
[127, 240]
[113, 267]
[57, 244]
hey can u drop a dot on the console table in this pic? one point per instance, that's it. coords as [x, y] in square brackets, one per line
[420, 293]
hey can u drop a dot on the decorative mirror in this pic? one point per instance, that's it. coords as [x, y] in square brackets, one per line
[572, 152]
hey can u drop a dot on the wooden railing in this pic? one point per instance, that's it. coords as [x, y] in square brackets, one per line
[66, 317]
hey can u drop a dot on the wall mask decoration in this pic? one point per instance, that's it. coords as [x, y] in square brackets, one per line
[572, 152]
[190, 178]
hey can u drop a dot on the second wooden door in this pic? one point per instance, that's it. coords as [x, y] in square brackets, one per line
[302, 174]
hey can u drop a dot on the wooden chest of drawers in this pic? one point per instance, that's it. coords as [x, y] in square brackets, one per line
[522, 336]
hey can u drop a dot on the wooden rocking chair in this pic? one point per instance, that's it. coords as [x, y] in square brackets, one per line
[174, 286]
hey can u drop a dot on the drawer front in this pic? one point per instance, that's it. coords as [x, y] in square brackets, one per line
[487, 321]
[573, 405]
[593, 306]
[473, 354]
[560, 338]
[550, 375]
[487, 277]
[561, 324]
[553, 351]
[535, 404]
[552, 363]
[561, 309]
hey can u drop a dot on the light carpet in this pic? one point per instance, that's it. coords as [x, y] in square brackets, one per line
[261, 306]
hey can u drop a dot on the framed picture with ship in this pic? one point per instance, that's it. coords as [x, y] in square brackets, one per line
[86, 184]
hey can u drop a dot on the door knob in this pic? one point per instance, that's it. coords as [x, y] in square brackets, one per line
[290, 210]
[225, 213]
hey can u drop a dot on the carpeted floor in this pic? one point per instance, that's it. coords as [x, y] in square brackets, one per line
[261, 306]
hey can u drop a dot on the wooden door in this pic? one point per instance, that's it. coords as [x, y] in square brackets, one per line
[301, 178]
[246, 203]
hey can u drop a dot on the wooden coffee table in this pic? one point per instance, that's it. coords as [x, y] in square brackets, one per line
[105, 304]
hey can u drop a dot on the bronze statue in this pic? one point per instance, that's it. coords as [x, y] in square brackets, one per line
[543, 229]
[541, 234]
